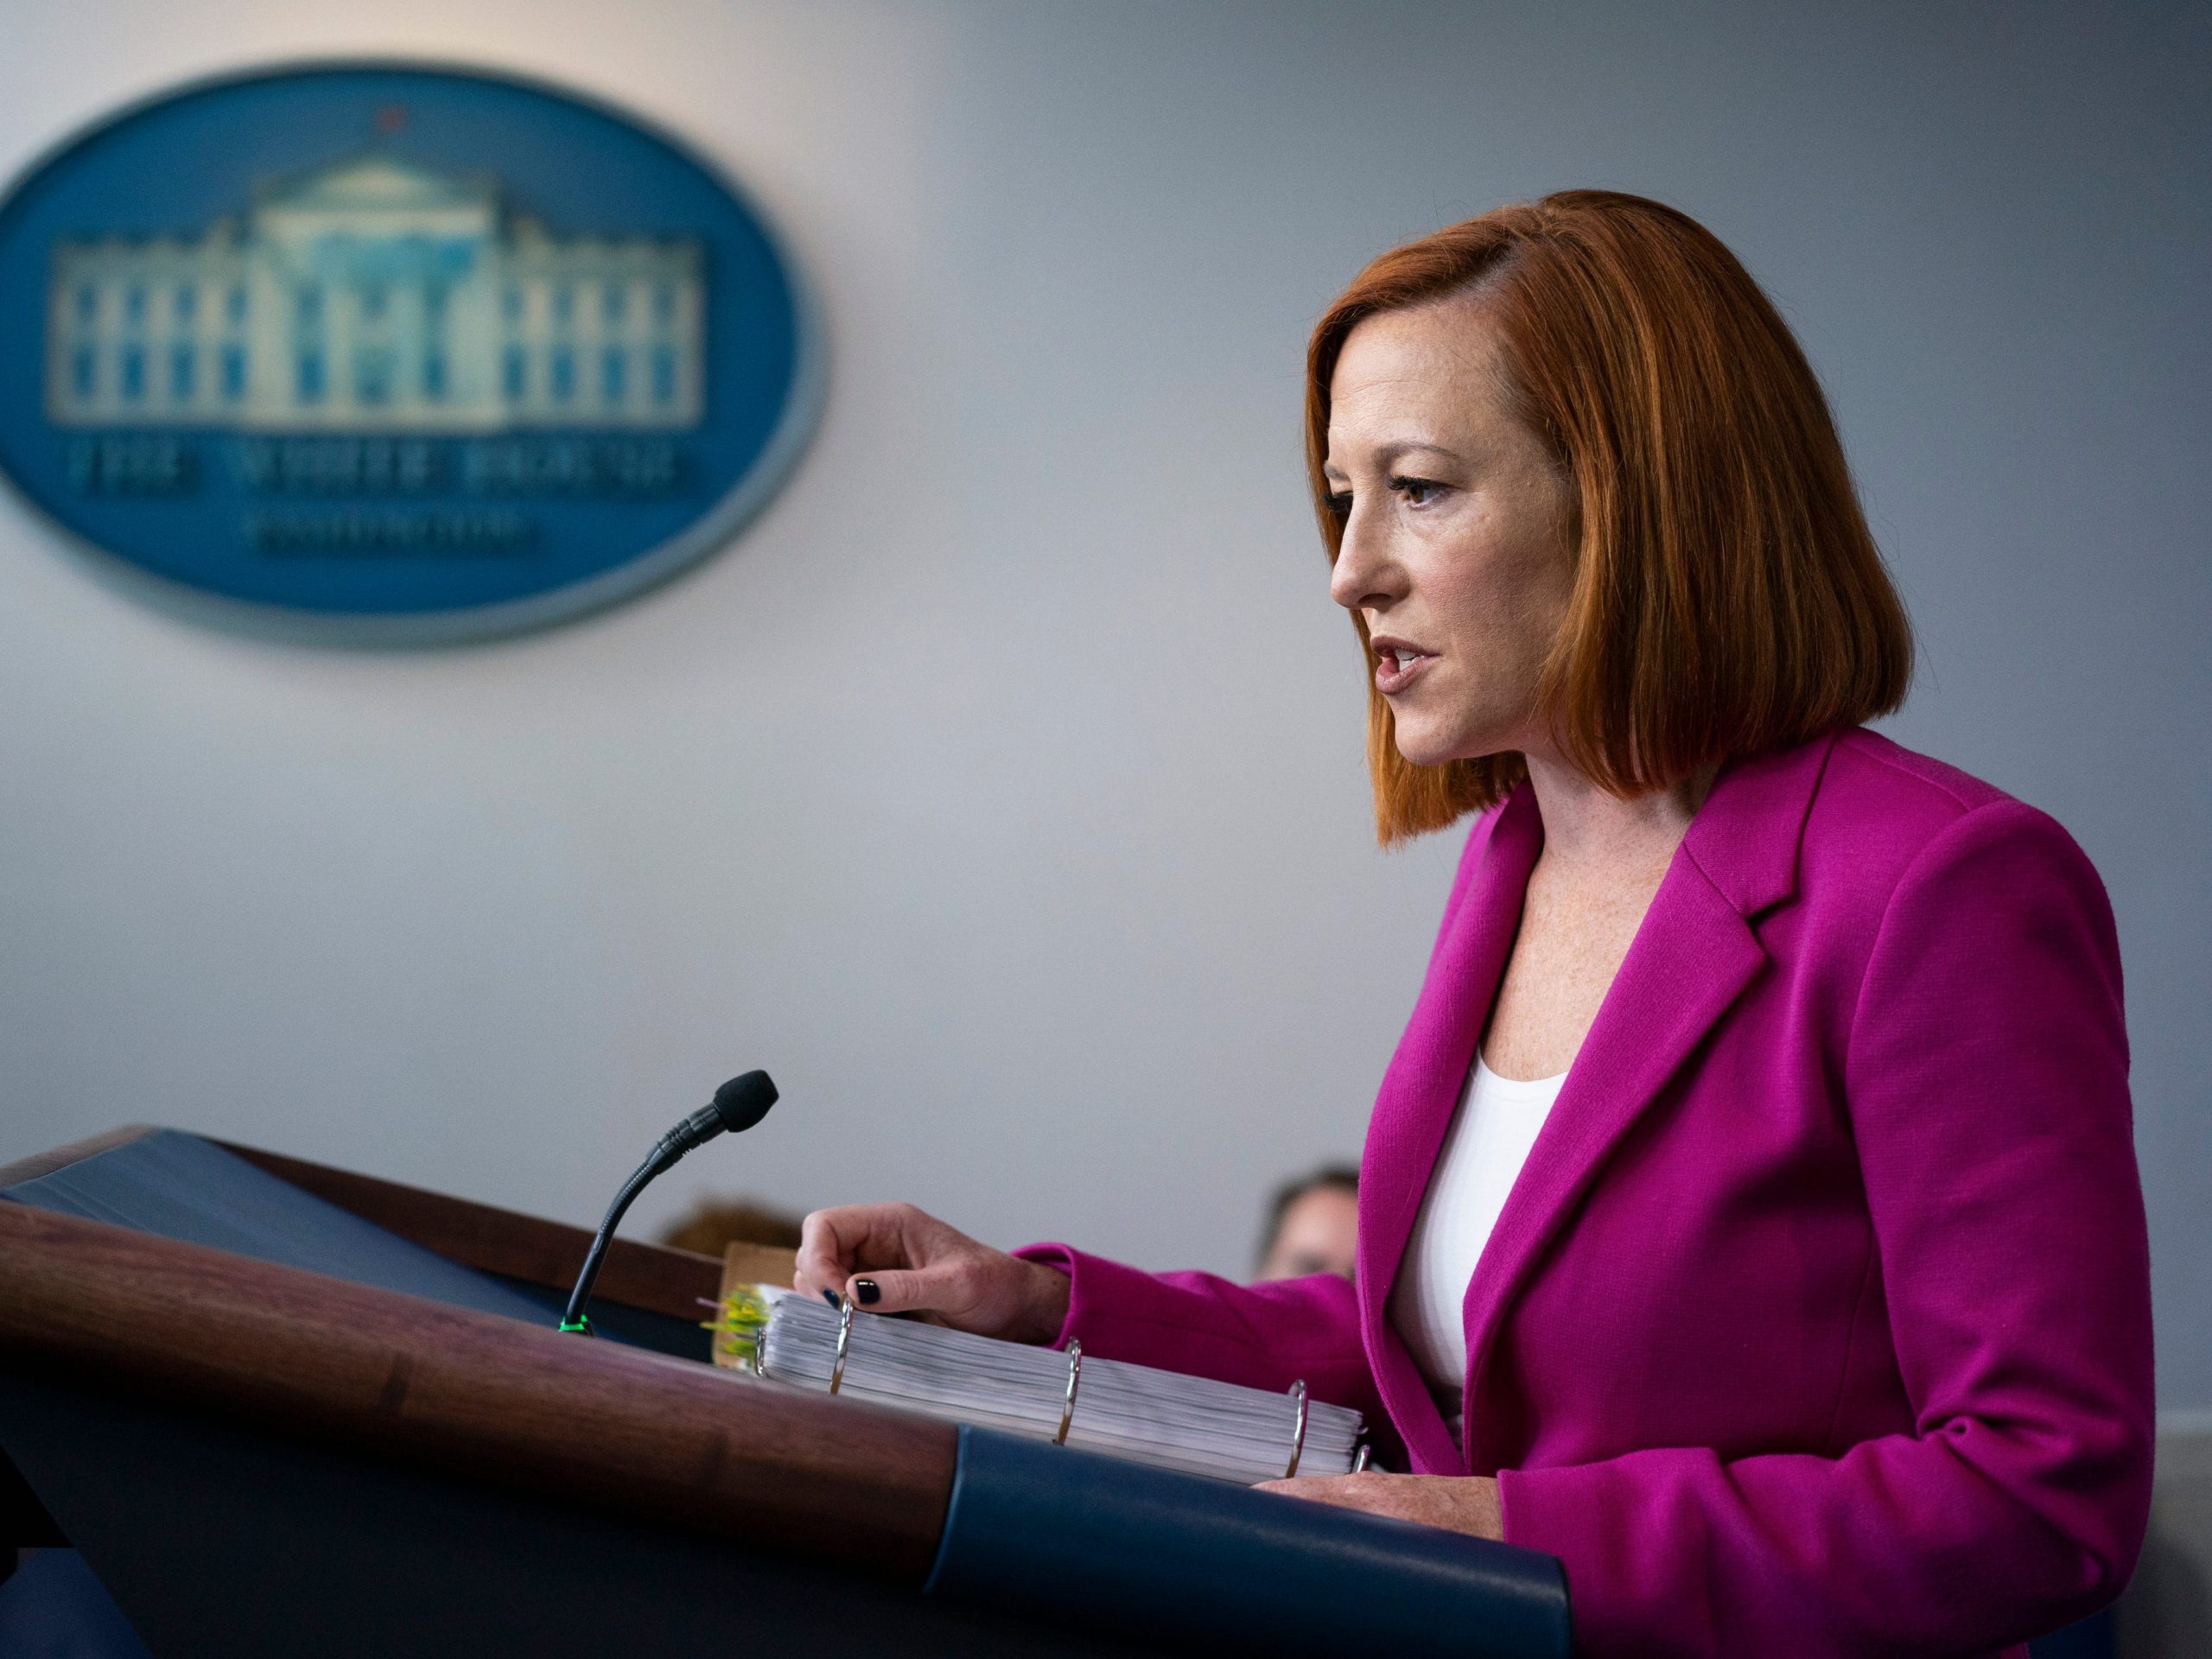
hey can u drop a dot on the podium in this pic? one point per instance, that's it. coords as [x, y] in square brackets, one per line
[282, 1409]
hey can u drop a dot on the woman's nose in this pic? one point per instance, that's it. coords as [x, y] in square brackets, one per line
[1362, 574]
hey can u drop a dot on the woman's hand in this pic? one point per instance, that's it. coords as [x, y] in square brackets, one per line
[1456, 1502]
[891, 1258]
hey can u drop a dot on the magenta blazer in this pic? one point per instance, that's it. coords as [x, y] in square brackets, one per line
[1819, 1319]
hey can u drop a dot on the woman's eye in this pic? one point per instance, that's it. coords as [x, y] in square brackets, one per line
[1340, 503]
[1417, 492]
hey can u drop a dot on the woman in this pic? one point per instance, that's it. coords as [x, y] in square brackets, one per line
[1749, 1216]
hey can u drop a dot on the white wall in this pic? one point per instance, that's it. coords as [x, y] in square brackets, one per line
[1000, 789]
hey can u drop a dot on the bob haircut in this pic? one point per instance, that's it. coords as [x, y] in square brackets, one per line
[1728, 597]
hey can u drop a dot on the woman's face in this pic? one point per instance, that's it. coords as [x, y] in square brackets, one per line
[1455, 546]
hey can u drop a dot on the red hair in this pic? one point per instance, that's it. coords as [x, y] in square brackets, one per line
[1728, 596]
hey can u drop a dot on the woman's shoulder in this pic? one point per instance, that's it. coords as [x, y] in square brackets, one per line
[1876, 774]
[1882, 816]
[1871, 786]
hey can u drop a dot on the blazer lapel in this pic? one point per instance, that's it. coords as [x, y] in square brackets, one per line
[1419, 1091]
[1692, 957]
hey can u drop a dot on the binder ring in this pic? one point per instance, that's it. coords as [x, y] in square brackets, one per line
[1298, 1439]
[844, 1341]
[1359, 1463]
[1075, 1380]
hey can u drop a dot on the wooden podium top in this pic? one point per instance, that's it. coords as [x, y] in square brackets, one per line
[398, 1376]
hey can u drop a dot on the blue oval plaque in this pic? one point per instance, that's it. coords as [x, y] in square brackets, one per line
[386, 352]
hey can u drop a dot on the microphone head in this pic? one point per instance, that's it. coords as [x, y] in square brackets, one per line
[743, 1102]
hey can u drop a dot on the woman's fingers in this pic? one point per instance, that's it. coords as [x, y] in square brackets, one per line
[817, 1256]
[891, 1241]
[1466, 1504]
[835, 1243]
[880, 1291]
[1339, 1491]
[892, 1258]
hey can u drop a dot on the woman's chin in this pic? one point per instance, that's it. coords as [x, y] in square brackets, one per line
[1423, 749]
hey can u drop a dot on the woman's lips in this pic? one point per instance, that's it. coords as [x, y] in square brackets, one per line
[1398, 668]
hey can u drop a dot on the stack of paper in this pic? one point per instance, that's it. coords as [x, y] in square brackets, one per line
[1189, 1423]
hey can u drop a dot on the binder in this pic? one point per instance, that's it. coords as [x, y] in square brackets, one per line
[1192, 1425]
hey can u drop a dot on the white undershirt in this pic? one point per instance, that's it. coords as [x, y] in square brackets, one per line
[1489, 1141]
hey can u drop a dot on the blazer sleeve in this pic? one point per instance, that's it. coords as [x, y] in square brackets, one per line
[1986, 1077]
[1262, 1336]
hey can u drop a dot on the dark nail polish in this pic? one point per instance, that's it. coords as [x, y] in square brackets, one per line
[830, 1297]
[866, 1292]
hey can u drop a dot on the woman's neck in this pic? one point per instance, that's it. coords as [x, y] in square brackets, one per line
[1588, 830]
[1603, 862]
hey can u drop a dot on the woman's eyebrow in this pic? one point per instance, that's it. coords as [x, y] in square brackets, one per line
[1390, 455]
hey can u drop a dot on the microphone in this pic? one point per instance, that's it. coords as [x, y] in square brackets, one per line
[737, 1104]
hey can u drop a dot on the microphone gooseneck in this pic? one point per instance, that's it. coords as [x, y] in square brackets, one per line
[737, 1105]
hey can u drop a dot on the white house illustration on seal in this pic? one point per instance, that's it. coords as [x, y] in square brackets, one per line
[377, 297]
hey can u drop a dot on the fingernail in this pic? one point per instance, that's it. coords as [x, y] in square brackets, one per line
[830, 1297]
[866, 1292]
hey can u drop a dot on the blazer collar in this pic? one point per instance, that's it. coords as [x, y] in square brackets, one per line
[1692, 957]
[1746, 836]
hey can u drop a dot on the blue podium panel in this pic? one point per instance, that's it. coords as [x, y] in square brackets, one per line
[54, 1608]
[1098, 1542]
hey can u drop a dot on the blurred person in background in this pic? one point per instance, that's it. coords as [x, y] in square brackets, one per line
[1312, 1226]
